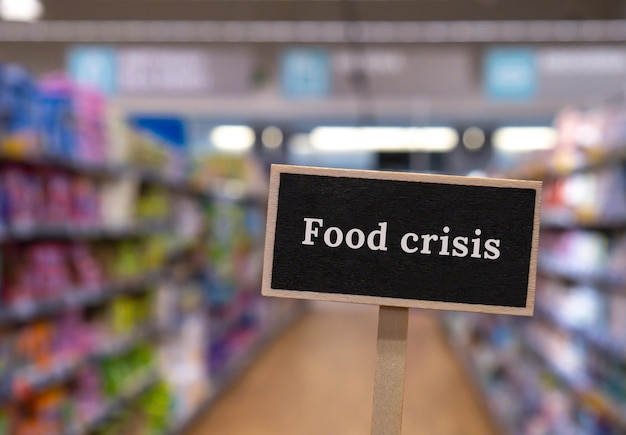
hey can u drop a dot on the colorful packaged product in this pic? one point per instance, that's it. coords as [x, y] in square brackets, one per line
[18, 96]
[48, 264]
[87, 396]
[23, 195]
[58, 194]
[6, 355]
[72, 120]
[4, 421]
[85, 207]
[18, 285]
[57, 122]
[33, 346]
[89, 106]
[88, 273]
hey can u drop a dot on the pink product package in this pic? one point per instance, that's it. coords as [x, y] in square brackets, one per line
[58, 198]
[88, 272]
[88, 395]
[23, 192]
[73, 338]
[49, 267]
[85, 203]
[89, 109]
[90, 124]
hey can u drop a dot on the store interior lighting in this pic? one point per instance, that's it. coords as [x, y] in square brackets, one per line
[272, 137]
[233, 138]
[473, 138]
[381, 139]
[524, 139]
[21, 10]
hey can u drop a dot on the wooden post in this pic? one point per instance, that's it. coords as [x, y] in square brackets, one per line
[393, 325]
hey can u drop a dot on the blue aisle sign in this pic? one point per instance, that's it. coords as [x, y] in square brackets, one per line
[510, 74]
[305, 73]
[94, 66]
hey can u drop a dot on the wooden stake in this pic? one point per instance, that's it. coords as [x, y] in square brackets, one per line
[393, 325]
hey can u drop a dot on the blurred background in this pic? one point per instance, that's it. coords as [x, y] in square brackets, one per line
[135, 143]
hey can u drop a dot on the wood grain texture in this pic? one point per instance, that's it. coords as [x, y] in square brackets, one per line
[317, 379]
[269, 290]
[532, 272]
[406, 303]
[407, 176]
[393, 323]
[270, 230]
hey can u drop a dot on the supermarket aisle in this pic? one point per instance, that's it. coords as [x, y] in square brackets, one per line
[317, 379]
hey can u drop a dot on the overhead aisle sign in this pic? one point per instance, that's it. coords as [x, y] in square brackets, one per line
[305, 73]
[156, 71]
[510, 74]
[94, 66]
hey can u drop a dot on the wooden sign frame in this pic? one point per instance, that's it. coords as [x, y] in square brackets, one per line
[276, 172]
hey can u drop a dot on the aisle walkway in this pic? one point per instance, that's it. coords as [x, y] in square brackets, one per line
[317, 379]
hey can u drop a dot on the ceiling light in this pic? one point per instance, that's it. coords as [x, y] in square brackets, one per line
[524, 139]
[380, 139]
[341, 139]
[233, 138]
[436, 139]
[272, 137]
[20, 10]
[473, 138]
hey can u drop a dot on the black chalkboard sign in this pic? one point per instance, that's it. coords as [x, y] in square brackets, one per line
[400, 239]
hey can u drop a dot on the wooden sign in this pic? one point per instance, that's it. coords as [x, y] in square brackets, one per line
[401, 239]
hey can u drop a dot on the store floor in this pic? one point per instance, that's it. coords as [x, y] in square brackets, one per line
[317, 379]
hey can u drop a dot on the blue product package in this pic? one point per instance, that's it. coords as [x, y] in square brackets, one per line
[47, 126]
[254, 222]
[18, 107]
[57, 117]
[50, 125]
[57, 126]
[68, 131]
[4, 109]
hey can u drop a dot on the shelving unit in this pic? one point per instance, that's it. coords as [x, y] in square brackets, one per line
[80, 299]
[26, 384]
[115, 407]
[564, 370]
[602, 279]
[76, 299]
[592, 337]
[548, 166]
[566, 221]
[160, 292]
[229, 377]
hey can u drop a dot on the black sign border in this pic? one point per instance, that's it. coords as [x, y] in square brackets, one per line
[272, 209]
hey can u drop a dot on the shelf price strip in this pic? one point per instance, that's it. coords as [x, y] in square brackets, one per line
[399, 241]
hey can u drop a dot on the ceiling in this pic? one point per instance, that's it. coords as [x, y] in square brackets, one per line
[333, 10]
[470, 25]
